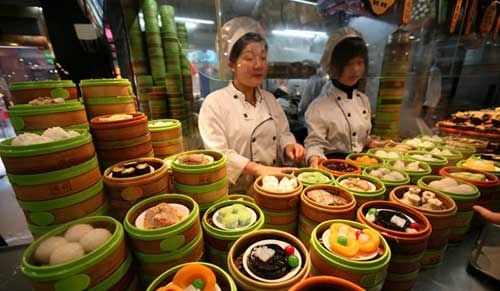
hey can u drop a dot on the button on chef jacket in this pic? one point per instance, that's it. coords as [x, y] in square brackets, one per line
[244, 132]
[336, 123]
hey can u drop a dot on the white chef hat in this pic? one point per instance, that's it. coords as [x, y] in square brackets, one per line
[232, 31]
[335, 38]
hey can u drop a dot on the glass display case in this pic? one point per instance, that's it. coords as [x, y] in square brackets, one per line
[449, 60]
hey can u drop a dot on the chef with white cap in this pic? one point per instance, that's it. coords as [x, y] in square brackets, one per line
[242, 120]
[338, 121]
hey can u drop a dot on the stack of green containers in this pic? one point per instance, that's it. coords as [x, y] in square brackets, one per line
[187, 81]
[137, 53]
[182, 34]
[173, 54]
[392, 83]
[157, 102]
[153, 40]
[144, 87]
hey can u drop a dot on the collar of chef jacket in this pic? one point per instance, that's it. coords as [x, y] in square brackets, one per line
[235, 92]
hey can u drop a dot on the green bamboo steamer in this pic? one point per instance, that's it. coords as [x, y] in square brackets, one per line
[352, 158]
[57, 182]
[435, 165]
[222, 277]
[373, 151]
[18, 112]
[216, 253]
[452, 159]
[496, 164]
[290, 228]
[331, 179]
[109, 100]
[170, 238]
[71, 275]
[215, 191]
[368, 274]
[405, 141]
[464, 205]
[14, 157]
[219, 162]
[389, 184]
[377, 194]
[414, 175]
[145, 80]
[38, 230]
[39, 212]
[466, 150]
[175, 102]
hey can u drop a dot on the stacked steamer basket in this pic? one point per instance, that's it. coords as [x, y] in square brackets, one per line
[487, 184]
[24, 92]
[144, 88]
[158, 101]
[201, 174]
[436, 162]
[137, 52]
[414, 169]
[187, 80]
[465, 196]
[288, 261]
[173, 53]
[159, 245]
[390, 177]
[166, 137]
[153, 41]
[36, 117]
[278, 196]
[337, 251]
[130, 181]
[441, 216]
[121, 137]
[394, 70]
[323, 202]
[57, 179]
[406, 231]
[209, 277]
[364, 188]
[107, 96]
[224, 223]
[86, 254]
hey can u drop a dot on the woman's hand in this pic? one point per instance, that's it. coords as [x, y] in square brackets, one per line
[314, 161]
[375, 143]
[493, 217]
[269, 171]
[295, 152]
[256, 170]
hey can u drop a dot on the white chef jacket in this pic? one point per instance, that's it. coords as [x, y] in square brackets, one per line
[336, 123]
[244, 132]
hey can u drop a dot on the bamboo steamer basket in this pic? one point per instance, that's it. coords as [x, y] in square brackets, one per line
[90, 272]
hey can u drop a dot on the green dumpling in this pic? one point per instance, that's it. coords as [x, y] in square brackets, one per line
[238, 208]
[225, 211]
[244, 217]
[230, 220]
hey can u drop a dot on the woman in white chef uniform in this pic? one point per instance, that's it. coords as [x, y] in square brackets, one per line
[242, 120]
[338, 121]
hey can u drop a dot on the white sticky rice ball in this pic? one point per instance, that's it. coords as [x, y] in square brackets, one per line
[65, 253]
[94, 239]
[76, 232]
[46, 248]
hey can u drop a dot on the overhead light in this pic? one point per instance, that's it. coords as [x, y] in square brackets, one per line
[300, 33]
[193, 20]
[305, 2]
